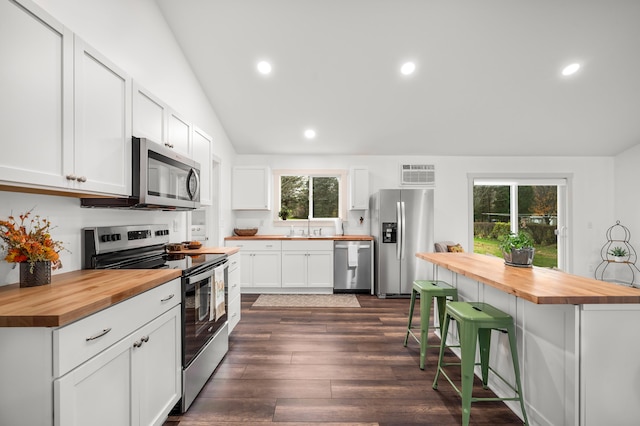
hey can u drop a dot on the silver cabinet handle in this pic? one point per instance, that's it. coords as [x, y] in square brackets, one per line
[168, 145]
[81, 178]
[99, 335]
[169, 297]
[137, 344]
[71, 177]
[141, 342]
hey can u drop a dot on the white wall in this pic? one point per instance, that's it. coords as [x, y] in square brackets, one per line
[134, 35]
[592, 197]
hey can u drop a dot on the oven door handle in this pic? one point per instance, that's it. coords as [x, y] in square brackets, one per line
[206, 274]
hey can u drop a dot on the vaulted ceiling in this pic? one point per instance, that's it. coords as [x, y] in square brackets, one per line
[487, 80]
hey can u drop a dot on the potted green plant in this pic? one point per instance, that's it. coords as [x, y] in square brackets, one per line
[517, 249]
[619, 254]
[283, 214]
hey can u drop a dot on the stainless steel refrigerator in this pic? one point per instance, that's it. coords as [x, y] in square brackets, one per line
[402, 225]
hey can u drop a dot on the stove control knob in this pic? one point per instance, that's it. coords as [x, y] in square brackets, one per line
[105, 238]
[115, 237]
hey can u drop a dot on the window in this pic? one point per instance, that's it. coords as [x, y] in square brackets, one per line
[537, 204]
[310, 194]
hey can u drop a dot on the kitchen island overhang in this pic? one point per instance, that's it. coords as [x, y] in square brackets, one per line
[572, 331]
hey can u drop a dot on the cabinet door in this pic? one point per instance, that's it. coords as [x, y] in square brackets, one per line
[202, 151]
[98, 392]
[179, 135]
[320, 269]
[149, 116]
[250, 188]
[246, 272]
[157, 378]
[359, 188]
[36, 83]
[102, 123]
[266, 269]
[294, 268]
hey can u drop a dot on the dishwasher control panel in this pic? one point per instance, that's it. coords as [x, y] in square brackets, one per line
[389, 232]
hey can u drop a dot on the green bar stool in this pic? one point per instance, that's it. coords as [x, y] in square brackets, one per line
[428, 290]
[475, 321]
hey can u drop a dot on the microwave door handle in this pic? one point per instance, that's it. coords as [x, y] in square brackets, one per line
[193, 173]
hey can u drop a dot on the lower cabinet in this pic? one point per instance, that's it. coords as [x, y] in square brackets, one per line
[233, 291]
[278, 266]
[307, 264]
[118, 366]
[133, 382]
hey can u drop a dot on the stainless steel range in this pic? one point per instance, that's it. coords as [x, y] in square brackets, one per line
[205, 336]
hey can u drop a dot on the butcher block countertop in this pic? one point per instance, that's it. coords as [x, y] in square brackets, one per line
[537, 285]
[287, 237]
[74, 295]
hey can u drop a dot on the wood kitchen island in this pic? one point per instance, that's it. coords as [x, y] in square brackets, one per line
[579, 354]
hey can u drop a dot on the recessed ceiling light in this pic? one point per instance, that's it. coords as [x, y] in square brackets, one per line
[408, 68]
[264, 67]
[309, 133]
[570, 69]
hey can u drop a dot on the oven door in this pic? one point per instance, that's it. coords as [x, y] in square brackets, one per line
[201, 319]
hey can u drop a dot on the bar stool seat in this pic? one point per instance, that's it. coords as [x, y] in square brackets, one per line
[428, 289]
[475, 321]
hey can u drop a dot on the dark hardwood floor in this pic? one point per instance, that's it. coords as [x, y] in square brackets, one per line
[331, 366]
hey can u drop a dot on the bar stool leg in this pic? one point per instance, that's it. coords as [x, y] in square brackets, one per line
[484, 342]
[445, 329]
[411, 306]
[516, 368]
[468, 340]
[425, 312]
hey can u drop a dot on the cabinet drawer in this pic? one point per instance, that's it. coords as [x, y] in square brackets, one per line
[307, 245]
[83, 339]
[257, 245]
[234, 262]
[233, 287]
[233, 316]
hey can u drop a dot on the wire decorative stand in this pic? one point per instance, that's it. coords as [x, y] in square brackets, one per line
[618, 237]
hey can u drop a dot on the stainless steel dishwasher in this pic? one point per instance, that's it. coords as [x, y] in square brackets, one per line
[352, 266]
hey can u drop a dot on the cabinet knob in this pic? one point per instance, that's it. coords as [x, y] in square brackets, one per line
[71, 177]
[81, 178]
[168, 145]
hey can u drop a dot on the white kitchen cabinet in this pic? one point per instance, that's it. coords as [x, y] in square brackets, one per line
[233, 291]
[149, 115]
[118, 366]
[261, 264]
[36, 82]
[307, 264]
[132, 382]
[178, 134]
[202, 145]
[64, 104]
[102, 123]
[358, 188]
[251, 188]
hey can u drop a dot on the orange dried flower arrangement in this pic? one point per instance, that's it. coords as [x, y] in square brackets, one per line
[29, 240]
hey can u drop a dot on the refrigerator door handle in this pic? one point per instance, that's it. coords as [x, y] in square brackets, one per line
[399, 231]
[402, 230]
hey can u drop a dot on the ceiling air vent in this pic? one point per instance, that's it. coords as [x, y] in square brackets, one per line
[417, 174]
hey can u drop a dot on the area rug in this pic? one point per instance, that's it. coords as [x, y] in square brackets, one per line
[307, 301]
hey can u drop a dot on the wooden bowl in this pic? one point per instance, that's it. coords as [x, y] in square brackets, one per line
[194, 245]
[174, 247]
[245, 232]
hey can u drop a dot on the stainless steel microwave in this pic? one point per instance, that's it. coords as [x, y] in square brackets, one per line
[162, 179]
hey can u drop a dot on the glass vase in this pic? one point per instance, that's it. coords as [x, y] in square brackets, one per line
[39, 274]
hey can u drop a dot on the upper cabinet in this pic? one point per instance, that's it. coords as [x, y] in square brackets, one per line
[358, 188]
[203, 153]
[179, 134]
[149, 115]
[102, 123]
[250, 188]
[65, 110]
[36, 82]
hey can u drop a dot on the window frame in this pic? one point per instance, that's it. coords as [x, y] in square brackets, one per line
[341, 174]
